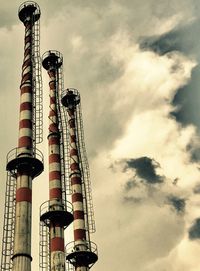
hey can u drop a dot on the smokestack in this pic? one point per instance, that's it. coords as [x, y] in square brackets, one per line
[81, 253]
[25, 162]
[54, 213]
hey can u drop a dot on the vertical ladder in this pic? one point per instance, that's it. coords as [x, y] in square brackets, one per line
[9, 223]
[64, 138]
[84, 166]
[37, 86]
[44, 259]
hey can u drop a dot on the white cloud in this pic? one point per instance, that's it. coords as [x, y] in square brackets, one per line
[141, 99]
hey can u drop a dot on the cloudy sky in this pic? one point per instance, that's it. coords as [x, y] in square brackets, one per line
[136, 65]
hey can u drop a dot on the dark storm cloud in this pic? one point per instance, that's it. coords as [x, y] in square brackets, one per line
[184, 39]
[177, 203]
[194, 231]
[159, 44]
[137, 191]
[145, 168]
[187, 102]
[194, 152]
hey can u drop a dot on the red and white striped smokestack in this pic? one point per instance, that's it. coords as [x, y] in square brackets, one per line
[57, 214]
[83, 252]
[23, 162]
[77, 196]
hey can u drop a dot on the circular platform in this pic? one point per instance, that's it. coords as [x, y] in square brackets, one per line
[77, 256]
[52, 58]
[70, 97]
[31, 165]
[29, 8]
[82, 258]
[56, 212]
[25, 162]
[64, 217]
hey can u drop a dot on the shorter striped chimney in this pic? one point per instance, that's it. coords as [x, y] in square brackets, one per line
[56, 215]
[81, 253]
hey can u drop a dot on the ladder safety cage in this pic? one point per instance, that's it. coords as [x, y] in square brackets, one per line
[9, 223]
[37, 85]
[44, 254]
[85, 172]
[64, 137]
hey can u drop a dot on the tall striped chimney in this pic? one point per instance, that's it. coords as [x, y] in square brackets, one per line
[25, 162]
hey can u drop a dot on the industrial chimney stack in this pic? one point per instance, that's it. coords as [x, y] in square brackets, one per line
[55, 214]
[25, 162]
[81, 253]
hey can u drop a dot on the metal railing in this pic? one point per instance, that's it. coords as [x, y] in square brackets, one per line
[73, 246]
[51, 205]
[19, 152]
